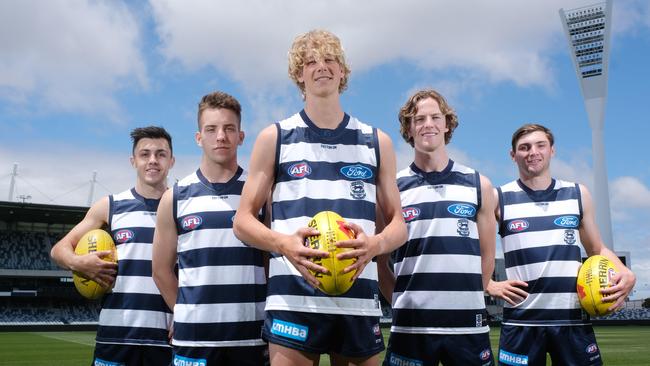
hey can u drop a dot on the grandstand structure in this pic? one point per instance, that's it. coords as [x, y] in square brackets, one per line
[34, 291]
[36, 294]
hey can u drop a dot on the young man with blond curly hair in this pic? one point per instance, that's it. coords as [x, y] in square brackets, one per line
[345, 166]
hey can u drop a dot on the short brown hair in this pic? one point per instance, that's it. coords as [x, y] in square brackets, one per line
[322, 43]
[218, 100]
[530, 128]
[408, 111]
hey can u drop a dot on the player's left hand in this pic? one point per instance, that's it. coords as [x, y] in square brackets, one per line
[624, 283]
[363, 248]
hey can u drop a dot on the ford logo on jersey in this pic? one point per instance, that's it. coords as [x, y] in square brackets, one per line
[191, 222]
[516, 226]
[461, 210]
[356, 172]
[299, 170]
[123, 236]
[566, 221]
[410, 213]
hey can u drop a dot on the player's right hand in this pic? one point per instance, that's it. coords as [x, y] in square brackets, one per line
[293, 248]
[509, 290]
[92, 266]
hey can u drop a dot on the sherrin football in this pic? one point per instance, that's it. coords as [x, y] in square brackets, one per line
[331, 227]
[595, 273]
[93, 241]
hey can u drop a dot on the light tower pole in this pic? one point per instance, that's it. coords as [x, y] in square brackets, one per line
[588, 32]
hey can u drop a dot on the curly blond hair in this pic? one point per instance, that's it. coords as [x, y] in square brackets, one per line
[408, 111]
[321, 43]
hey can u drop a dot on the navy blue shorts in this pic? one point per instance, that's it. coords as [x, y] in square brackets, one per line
[430, 349]
[226, 356]
[567, 345]
[346, 335]
[127, 355]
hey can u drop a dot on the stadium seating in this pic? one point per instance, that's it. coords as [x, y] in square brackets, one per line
[26, 250]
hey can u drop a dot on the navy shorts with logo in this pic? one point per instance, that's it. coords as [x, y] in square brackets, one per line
[567, 345]
[430, 349]
[126, 355]
[346, 335]
[221, 356]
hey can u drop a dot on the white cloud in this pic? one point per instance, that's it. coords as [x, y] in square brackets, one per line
[64, 178]
[504, 42]
[70, 56]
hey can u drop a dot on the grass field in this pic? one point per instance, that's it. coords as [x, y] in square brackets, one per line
[624, 345]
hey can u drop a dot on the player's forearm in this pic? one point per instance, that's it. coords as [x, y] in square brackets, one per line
[487, 269]
[167, 284]
[386, 277]
[64, 256]
[392, 237]
[254, 233]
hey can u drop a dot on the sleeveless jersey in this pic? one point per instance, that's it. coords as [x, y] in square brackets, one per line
[221, 281]
[541, 245]
[316, 170]
[134, 312]
[439, 287]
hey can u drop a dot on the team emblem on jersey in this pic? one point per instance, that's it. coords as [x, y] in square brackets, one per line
[356, 171]
[191, 222]
[592, 348]
[569, 236]
[357, 190]
[299, 170]
[485, 354]
[461, 209]
[123, 236]
[410, 213]
[566, 221]
[479, 320]
[463, 227]
[516, 226]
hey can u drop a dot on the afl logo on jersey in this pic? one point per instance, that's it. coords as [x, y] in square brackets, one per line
[356, 172]
[191, 222]
[516, 226]
[299, 170]
[462, 210]
[410, 213]
[485, 354]
[123, 236]
[566, 221]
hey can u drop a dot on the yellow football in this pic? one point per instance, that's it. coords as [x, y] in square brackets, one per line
[331, 227]
[595, 273]
[93, 241]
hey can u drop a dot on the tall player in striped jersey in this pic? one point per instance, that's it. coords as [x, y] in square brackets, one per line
[440, 272]
[134, 320]
[542, 223]
[218, 296]
[321, 159]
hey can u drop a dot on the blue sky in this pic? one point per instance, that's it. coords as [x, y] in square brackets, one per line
[76, 76]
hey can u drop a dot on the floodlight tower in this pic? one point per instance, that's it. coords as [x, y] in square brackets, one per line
[588, 32]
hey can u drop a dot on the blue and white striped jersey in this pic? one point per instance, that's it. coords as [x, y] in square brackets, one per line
[221, 281]
[541, 245]
[321, 169]
[134, 312]
[439, 288]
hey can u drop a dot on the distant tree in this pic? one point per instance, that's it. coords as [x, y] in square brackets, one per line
[646, 303]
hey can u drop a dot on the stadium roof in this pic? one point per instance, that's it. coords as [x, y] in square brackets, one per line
[34, 212]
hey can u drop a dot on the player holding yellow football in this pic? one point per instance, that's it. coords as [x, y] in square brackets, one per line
[218, 294]
[321, 159]
[440, 272]
[542, 223]
[134, 320]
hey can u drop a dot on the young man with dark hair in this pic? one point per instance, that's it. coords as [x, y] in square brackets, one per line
[543, 221]
[218, 294]
[134, 320]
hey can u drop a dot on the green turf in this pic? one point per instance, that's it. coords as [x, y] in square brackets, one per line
[620, 345]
